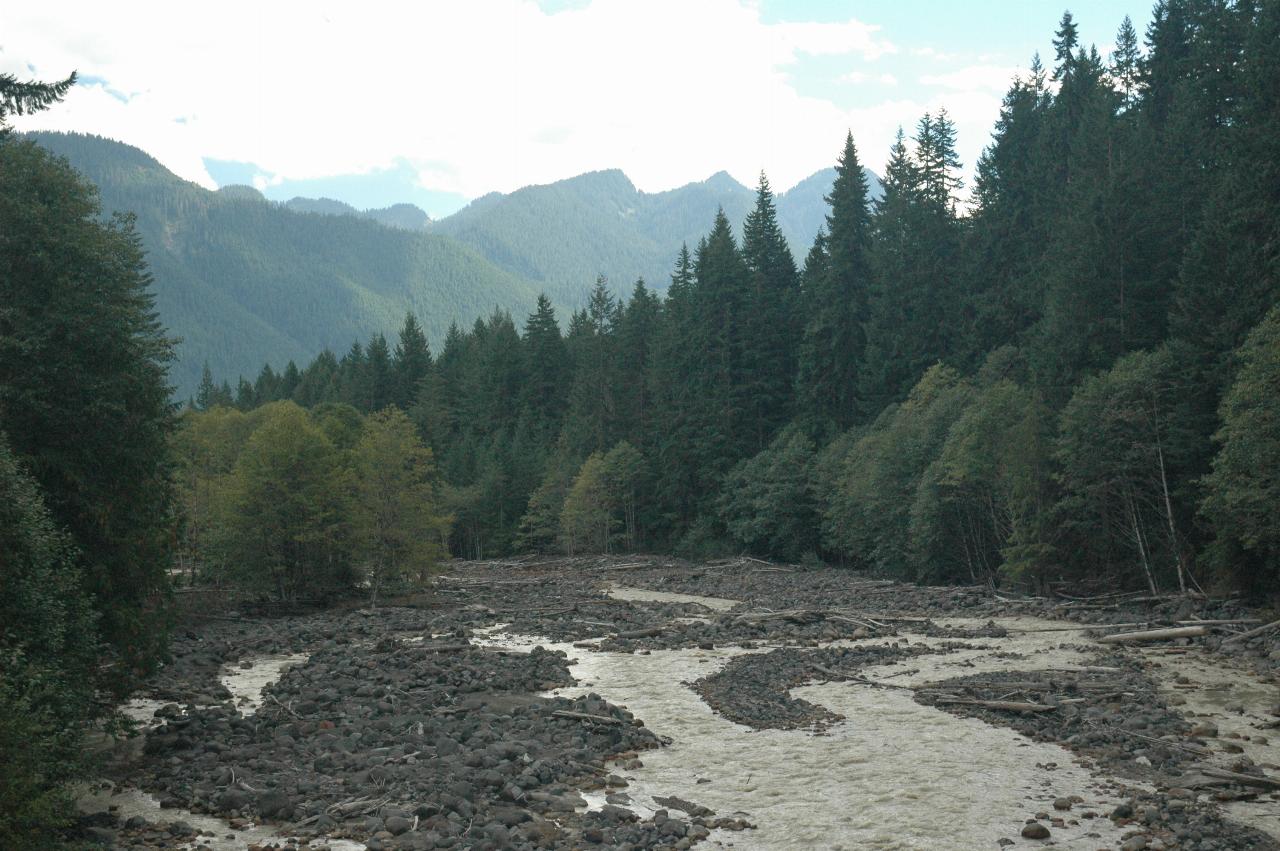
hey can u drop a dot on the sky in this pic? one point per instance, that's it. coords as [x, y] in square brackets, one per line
[437, 103]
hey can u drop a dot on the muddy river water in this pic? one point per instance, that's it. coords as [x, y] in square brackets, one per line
[893, 775]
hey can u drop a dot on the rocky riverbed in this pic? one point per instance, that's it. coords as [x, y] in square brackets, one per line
[651, 703]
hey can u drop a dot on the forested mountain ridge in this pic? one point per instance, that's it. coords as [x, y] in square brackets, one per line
[563, 233]
[405, 216]
[242, 281]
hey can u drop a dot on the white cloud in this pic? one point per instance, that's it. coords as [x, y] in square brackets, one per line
[859, 77]
[934, 54]
[988, 78]
[478, 96]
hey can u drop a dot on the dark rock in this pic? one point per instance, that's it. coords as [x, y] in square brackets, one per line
[100, 836]
[1035, 830]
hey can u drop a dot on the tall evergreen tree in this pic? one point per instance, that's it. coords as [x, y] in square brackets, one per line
[833, 341]
[769, 333]
[410, 363]
[379, 375]
[546, 368]
[1126, 63]
[1064, 46]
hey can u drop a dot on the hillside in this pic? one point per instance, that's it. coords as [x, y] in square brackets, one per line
[243, 281]
[563, 234]
[405, 216]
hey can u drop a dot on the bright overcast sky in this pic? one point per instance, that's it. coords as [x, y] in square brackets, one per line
[459, 99]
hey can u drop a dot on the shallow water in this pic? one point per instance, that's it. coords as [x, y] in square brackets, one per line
[1218, 689]
[893, 775]
[247, 684]
[622, 592]
[127, 802]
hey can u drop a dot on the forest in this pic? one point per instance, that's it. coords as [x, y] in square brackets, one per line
[1071, 380]
[1065, 376]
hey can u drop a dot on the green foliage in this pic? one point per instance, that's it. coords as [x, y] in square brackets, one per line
[979, 506]
[540, 526]
[19, 98]
[400, 532]
[835, 304]
[624, 474]
[1242, 494]
[1118, 446]
[83, 390]
[867, 516]
[48, 659]
[586, 521]
[285, 520]
[767, 502]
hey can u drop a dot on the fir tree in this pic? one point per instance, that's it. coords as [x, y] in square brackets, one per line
[410, 364]
[769, 328]
[1064, 46]
[831, 348]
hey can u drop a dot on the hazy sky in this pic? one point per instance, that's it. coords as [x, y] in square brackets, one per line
[437, 103]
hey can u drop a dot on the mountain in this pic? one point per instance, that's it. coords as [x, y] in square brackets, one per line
[562, 235]
[243, 281]
[404, 216]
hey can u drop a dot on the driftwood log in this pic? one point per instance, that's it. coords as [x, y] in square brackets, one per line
[1005, 705]
[583, 716]
[1251, 633]
[1154, 635]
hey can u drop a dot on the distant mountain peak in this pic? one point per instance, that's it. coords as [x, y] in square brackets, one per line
[724, 181]
[242, 191]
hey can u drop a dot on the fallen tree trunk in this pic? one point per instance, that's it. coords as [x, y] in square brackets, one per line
[583, 716]
[1006, 705]
[1155, 635]
[1251, 633]
[1236, 777]
[643, 633]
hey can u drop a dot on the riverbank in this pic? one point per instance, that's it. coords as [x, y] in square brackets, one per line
[649, 703]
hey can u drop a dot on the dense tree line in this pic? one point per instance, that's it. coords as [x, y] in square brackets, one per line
[1064, 380]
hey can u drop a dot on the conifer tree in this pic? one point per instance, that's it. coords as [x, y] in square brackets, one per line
[592, 414]
[637, 340]
[832, 345]
[207, 391]
[411, 363]
[1125, 63]
[1064, 46]
[546, 368]
[19, 98]
[721, 303]
[769, 327]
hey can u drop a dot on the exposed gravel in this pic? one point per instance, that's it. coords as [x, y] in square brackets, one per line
[400, 732]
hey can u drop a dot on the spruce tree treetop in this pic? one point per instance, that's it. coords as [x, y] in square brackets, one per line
[763, 245]
[1064, 46]
[411, 362]
[682, 277]
[849, 222]
[1125, 63]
